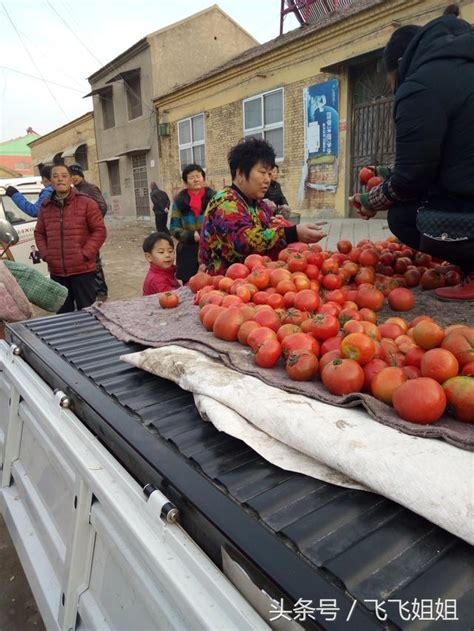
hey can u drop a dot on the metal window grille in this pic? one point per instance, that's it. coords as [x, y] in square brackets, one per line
[140, 185]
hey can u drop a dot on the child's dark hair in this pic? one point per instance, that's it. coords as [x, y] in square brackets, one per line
[152, 238]
[249, 152]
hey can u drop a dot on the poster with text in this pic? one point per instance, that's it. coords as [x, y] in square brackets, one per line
[322, 122]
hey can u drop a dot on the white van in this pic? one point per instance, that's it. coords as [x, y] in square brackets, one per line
[25, 250]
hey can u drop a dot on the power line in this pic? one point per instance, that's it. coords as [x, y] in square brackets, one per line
[32, 60]
[41, 79]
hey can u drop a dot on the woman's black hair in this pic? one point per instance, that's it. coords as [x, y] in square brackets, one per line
[152, 238]
[452, 9]
[189, 169]
[248, 153]
[397, 45]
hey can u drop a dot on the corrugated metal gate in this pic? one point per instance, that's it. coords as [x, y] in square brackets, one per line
[140, 185]
[373, 129]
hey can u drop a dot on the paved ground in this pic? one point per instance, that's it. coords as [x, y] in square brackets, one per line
[125, 269]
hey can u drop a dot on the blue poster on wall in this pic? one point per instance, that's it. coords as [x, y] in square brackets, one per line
[322, 121]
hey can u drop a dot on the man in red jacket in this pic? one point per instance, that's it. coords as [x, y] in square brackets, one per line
[69, 233]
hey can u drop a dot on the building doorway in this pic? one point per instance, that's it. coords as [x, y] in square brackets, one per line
[140, 186]
[373, 128]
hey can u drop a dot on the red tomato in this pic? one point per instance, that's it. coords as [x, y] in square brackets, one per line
[385, 383]
[365, 174]
[252, 260]
[245, 329]
[460, 394]
[439, 364]
[260, 298]
[352, 326]
[216, 280]
[359, 347]
[368, 315]
[348, 314]
[268, 318]
[260, 278]
[211, 315]
[258, 336]
[285, 286]
[247, 311]
[312, 271]
[324, 326]
[370, 298]
[168, 300]
[296, 262]
[344, 246]
[461, 344]
[237, 270]
[468, 369]
[299, 342]
[198, 281]
[294, 316]
[243, 293]
[371, 369]
[401, 299]
[231, 300]
[306, 300]
[227, 325]
[428, 334]
[371, 330]
[420, 400]
[331, 344]
[287, 329]
[368, 258]
[302, 366]
[411, 372]
[275, 301]
[390, 330]
[327, 358]
[301, 281]
[276, 275]
[268, 354]
[332, 281]
[374, 181]
[343, 376]
[225, 284]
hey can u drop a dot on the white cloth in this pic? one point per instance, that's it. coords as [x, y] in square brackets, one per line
[430, 477]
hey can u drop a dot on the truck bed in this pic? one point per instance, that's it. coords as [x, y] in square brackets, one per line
[295, 537]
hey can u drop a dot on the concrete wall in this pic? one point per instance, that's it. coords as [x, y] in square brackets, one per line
[79, 131]
[291, 67]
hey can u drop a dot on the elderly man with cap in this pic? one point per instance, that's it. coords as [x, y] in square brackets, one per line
[87, 188]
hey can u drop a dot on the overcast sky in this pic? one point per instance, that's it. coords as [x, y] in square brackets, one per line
[49, 47]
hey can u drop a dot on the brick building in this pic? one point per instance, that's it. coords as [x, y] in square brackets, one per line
[316, 93]
[72, 142]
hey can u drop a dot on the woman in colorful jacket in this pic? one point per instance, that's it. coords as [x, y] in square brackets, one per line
[186, 219]
[237, 222]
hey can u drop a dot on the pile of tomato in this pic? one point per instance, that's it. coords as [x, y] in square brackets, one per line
[315, 312]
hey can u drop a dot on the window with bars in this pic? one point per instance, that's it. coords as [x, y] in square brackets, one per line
[191, 141]
[263, 118]
[107, 105]
[113, 169]
[134, 96]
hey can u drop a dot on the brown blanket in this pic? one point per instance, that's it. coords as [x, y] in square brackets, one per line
[142, 320]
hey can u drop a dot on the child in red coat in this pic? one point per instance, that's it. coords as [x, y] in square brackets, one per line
[159, 252]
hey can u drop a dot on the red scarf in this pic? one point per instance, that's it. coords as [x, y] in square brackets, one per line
[195, 201]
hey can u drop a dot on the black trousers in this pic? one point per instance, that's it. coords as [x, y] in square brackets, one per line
[81, 291]
[101, 285]
[161, 219]
[186, 261]
[402, 223]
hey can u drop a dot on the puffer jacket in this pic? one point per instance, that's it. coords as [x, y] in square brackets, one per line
[69, 233]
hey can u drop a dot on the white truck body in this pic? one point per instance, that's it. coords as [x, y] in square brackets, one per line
[97, 553]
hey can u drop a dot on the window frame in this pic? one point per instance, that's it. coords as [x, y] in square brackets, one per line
[130, 92]
[113, 191]
[82, 157]
[193, 143]
[263, 128]
[104, 98]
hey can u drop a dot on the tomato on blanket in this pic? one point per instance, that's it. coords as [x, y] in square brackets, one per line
[168, 300]
[312, 304]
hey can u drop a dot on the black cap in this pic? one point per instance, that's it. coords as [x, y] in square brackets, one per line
[76, 169]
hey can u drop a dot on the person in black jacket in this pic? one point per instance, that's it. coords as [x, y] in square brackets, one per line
[274, 192]
[429, 192]
[87, 188]
[161, 205]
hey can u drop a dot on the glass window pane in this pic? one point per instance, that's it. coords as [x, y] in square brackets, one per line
[200, 156]
[253, 113]
[184, 132]
[254, 134]
[198, 128]
[186, 157]
[273, 107]
[275, 138]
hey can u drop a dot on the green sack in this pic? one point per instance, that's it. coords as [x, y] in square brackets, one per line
[39, 289]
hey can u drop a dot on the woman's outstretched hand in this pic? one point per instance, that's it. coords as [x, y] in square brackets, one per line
[310, 232]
